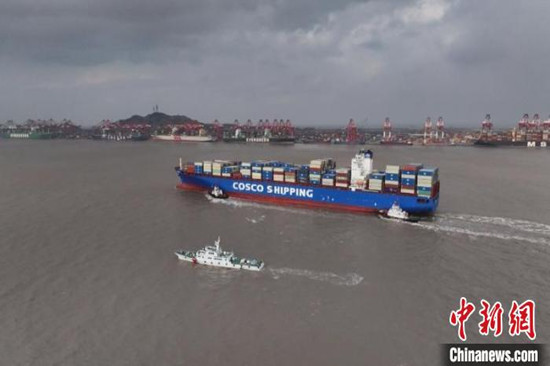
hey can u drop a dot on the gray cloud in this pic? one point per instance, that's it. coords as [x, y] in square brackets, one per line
[316, 62]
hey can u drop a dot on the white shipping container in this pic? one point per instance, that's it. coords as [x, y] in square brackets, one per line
[406, 190]
[257, 176]
[393, 169]
[278, 170]
[424, 184]
[426, 179]
[226, 174]
[245, 171]
[279, 178]
[408, 176]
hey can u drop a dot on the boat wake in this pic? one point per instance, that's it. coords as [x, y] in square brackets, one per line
[521, 225]
[490, 227]
[350, 279]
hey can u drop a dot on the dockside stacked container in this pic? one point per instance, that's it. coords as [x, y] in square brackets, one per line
[408, 178]
[376, 181]
[427, 179]
[391, 182]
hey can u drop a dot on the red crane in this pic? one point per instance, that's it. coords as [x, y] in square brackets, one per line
[218, 130]
[523, 123]
[486, 125]
[428, 130]
[289, 129]
[535, 122]
[352, 136]
[248, 127]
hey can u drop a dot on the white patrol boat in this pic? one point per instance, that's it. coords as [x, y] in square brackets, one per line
[397, 213]
[213, 255]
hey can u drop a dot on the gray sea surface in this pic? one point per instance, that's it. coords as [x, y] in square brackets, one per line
[88, 275]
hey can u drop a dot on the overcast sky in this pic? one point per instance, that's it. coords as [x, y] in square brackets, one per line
[316, 62]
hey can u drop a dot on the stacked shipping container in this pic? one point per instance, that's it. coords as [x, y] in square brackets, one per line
[343, 177]
[392, 179]
[408, 178]
[246, 170]
[427, 178]
[376, 181]
[279, 174]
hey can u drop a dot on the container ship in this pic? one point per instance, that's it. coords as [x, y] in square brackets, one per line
[33, 135]
[528, 133]
[276, 132]
[396, 142]
[320, 184]
[183, 138]
[273, 139]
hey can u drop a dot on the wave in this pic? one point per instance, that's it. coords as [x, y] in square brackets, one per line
[522, 225]
[350, 279]
[490, 227]
[255, 220]
[488, 234]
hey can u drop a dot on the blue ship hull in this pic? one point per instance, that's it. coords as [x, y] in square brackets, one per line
[309, 195]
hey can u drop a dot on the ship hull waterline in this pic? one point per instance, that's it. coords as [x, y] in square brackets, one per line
[318, 197]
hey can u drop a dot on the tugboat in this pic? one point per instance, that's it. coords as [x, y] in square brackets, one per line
[217, 192]
[397, 213]
[216, 257]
